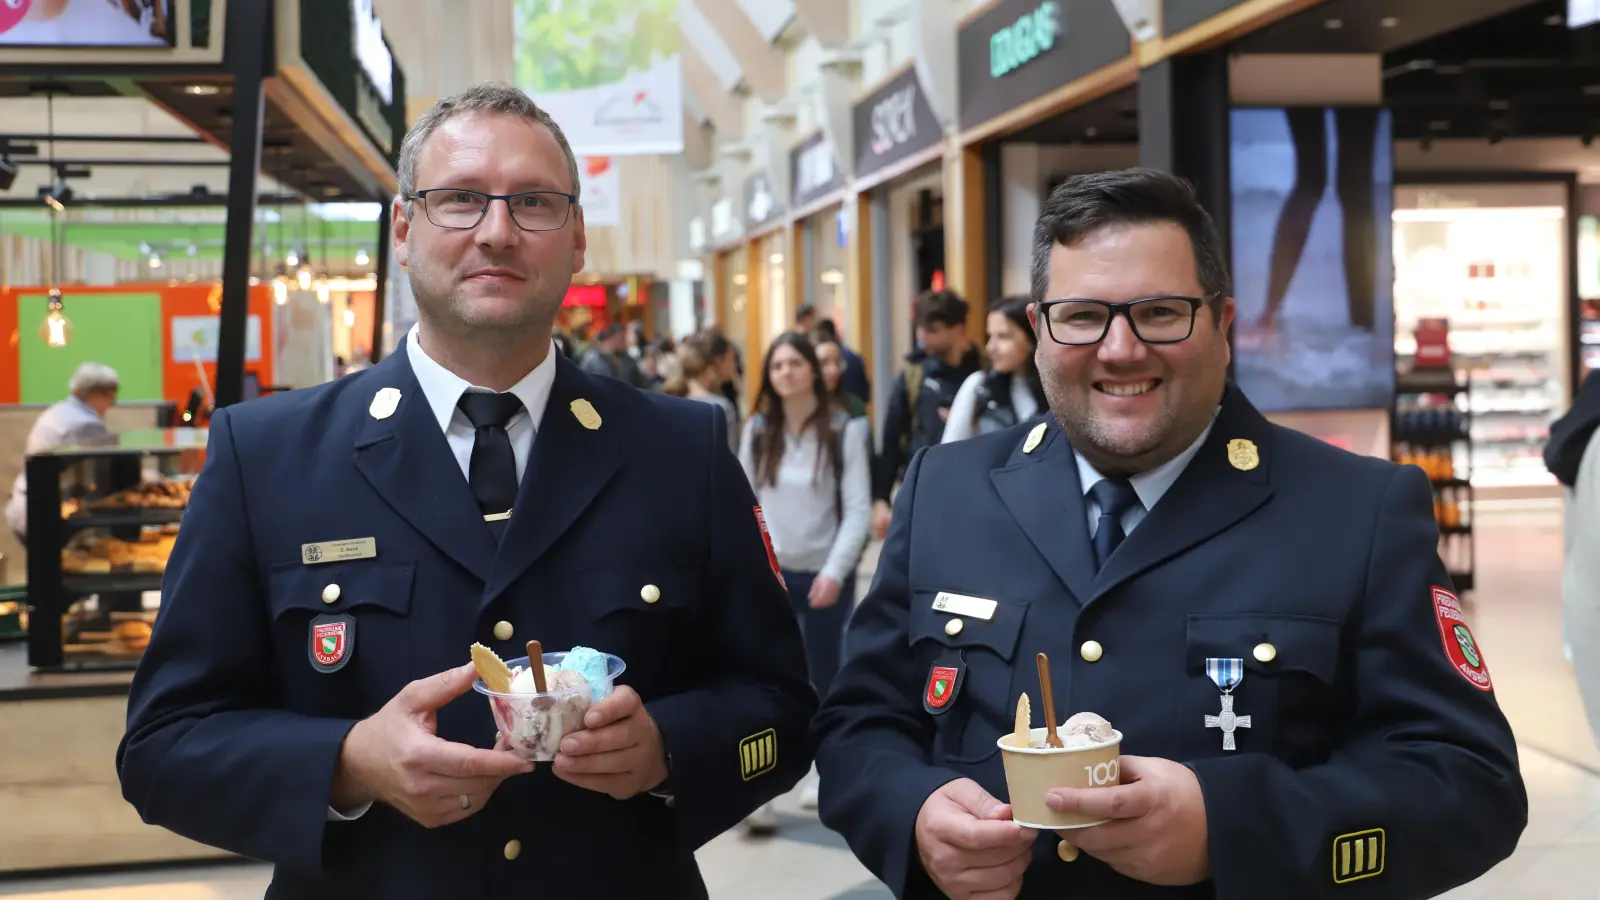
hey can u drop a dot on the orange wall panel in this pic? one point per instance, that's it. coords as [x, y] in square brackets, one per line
[10, 339]
[178, 378]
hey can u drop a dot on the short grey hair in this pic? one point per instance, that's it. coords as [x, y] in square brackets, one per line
[93, 378]
[1084, 204]
[490, 96]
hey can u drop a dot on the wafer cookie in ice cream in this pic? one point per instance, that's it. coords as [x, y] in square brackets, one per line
[492, 669]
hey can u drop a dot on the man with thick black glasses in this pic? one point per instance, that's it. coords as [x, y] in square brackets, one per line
[1262, 617]
[307, 699]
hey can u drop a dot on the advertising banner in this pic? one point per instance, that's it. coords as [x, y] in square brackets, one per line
[608, 71]
[86, 23]
[600, 192]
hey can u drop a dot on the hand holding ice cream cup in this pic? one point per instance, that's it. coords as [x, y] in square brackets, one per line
[1081, 752]
[536, 704]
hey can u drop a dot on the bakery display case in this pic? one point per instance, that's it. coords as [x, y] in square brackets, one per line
[101, 523]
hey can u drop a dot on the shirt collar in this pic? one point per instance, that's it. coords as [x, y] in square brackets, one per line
[1150, 485]
[444, 388]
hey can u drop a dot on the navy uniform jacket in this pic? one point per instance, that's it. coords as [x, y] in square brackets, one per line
[1361, 721]
[233, 736]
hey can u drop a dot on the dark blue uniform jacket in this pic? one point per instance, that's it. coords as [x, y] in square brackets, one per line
[1378, 764]
[233, 735]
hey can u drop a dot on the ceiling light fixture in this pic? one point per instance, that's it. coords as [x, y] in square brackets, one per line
[1389, 22]
[202, 90]
[56, 329]
[1333, 24]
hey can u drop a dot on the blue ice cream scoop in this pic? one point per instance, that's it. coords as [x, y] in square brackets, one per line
[592, 665]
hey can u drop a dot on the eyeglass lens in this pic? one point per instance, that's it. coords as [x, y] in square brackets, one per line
[1075, 322]
[463, 209]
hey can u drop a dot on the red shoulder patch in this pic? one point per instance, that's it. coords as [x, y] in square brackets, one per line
[1459, 645]
[772, 555]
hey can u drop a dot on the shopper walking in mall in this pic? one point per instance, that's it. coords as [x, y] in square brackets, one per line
[79, 419]
[700, 377]
[1573, 456]
[1244, 620]
[306, 697]
[831, 358]
[1009, 391]
[807, 459]
[919, 401]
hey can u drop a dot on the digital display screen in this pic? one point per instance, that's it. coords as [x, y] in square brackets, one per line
[86, 23]
[1313, 267]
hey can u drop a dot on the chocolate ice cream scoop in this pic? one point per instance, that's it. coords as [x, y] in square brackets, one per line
[1089, 725]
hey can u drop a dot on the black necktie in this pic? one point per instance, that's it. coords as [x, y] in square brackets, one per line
[493, 470]
[1114, 496]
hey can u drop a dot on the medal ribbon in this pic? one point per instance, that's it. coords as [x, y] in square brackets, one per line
[1227, 673]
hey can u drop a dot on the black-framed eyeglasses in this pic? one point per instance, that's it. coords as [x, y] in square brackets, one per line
[531, 210]
[1155, 320]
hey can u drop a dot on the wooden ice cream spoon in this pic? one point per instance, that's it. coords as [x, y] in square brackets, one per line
[1051, 739]
[536, 665]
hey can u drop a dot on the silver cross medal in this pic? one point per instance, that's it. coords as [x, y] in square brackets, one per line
[1226, 673]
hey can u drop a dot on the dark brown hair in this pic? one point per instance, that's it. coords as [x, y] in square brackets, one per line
[768, 441]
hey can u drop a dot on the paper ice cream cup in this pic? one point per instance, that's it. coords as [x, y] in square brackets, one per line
[534, 724]
[1032, 772]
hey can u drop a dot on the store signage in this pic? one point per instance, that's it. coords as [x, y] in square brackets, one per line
[894, 122]
[723, 223]
[343, 45]
[1021, 42]
[370, 50]
[814, 170]
[1177, 15]
[761, 204]
[1017, 50]
[1142, 18]
[1581, 13]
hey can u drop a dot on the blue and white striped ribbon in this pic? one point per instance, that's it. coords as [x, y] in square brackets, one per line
[1225, 672]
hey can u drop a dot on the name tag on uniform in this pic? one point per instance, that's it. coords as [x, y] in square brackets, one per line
[338, 551]
[962, 605]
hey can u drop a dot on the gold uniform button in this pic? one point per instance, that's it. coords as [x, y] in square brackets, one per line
[953, 627]
[513, 849]
[503, 631]
[1091, 651]
[650, 593]
[330, 594]
[1265, 652]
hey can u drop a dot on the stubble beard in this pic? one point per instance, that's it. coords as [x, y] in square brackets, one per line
[1113, 451]
[454, 315]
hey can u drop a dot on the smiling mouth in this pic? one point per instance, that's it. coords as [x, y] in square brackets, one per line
[1131, 389]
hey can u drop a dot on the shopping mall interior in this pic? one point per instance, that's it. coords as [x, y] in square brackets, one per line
[196, 193]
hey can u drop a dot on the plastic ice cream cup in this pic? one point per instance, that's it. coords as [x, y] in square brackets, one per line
[1033, 770]
[534, 723]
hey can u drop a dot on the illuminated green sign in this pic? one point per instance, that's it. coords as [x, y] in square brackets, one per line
[1014, 45]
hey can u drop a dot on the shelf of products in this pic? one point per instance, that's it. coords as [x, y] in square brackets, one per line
[1489, 259]
[1430, 426]
[101, 524]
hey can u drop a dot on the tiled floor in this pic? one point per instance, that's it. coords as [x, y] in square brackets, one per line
[1517, 620]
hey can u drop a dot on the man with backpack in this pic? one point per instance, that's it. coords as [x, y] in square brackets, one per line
[920, 400]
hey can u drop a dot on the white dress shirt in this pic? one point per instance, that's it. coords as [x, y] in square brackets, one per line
[1150, 486]
[443, 389]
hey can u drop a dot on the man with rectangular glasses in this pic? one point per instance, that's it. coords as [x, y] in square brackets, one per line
[1263, 619]
[307, 699]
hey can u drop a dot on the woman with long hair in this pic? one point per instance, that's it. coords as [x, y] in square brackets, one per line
[807, 461]
[830, 356]
[1007, 393]
[698, 376]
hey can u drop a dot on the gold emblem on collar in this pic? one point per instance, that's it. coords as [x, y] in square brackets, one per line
[587, 417]
[1034, 437]
[384, 403]
[1242, 454]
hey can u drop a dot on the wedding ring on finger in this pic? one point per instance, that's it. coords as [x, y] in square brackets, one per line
[466, 802]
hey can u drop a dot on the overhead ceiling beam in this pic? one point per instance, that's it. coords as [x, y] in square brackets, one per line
[762, 65]
[723, 108]
[826, 20]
